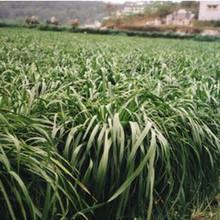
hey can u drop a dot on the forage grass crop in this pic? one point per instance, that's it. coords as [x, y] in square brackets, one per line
[93, 126]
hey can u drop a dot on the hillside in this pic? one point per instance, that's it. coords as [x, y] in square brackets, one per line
[86, 12]
[154, 15]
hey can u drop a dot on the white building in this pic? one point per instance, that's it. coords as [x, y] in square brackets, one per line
[95, 25]
[133, 7]
[209, 11]
[180, 17]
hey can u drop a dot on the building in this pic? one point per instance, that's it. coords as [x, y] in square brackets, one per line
[129, 8]
[180, 17]
[137, 7]
[95, 25]
[209, 11]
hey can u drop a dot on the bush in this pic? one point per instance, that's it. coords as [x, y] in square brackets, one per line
[11, 25]
[51, 28]
[74, 23]
[202, 24]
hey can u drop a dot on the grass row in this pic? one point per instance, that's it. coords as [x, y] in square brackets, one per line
[137, 33]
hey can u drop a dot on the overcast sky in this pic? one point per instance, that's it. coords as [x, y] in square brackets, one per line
[117, 1]
[113, 1]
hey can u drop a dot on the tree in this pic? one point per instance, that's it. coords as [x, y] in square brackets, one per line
[110, 8]
[161, 9]
[33, 20]
[53, 20]
[74, 23]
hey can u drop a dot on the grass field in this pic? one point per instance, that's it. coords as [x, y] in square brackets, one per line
[107, 127]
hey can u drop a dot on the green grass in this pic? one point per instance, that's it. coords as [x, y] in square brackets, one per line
[112, 127]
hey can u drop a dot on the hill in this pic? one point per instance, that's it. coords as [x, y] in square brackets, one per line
[86, 12]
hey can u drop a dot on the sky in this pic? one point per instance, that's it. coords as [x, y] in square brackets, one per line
[112, 1]
[117, 1]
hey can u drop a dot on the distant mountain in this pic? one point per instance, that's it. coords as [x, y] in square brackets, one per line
[86, 12]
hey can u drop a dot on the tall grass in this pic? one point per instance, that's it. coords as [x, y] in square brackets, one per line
[107, 127]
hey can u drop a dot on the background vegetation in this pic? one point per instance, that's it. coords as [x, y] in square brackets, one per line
[161, 9]
[64, 11]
